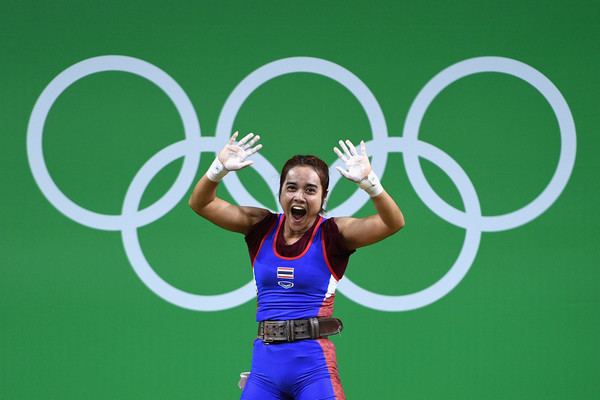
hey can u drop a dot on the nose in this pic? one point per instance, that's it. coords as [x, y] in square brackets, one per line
[299, 195]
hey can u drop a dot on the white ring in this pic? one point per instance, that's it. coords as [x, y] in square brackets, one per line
[137, 259]
[567, 134]
[60, 84]
[316, 66]
[467, 253]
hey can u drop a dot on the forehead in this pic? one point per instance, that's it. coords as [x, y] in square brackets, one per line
[303, 174]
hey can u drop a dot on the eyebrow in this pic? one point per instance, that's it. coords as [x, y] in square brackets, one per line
[295, 183]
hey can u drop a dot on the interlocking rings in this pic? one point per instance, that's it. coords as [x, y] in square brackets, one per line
[409, 145]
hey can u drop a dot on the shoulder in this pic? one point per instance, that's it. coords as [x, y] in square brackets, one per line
[338, 225]
[341, 222]
[336, 250]
[333, 237]
[257, 232]
[330, 225]
[260, 228]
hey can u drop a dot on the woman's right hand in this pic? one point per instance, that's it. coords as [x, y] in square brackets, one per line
[234, 156]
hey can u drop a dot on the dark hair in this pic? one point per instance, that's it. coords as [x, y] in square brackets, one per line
[311, 161]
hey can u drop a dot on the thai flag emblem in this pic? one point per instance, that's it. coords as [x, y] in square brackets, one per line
[285, 273]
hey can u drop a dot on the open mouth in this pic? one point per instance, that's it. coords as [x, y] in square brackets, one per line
[298, 212]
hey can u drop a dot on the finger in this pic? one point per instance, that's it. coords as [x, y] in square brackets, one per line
[351, 147]
[253, 141]
[339, 154]
[242, 142]
[363, 148]
[254, 149]
[246, 163]
[233, 137]
[343, 146]
[343, 172]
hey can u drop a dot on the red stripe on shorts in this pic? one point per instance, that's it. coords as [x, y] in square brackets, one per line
[329, 352]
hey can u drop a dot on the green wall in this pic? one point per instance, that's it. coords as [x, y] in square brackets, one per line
[520, 321]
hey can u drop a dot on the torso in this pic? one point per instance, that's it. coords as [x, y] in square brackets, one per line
[294, 286]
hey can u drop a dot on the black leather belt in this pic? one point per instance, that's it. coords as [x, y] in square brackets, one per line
[298, 329]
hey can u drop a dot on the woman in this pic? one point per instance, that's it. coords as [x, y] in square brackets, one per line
[298, 257]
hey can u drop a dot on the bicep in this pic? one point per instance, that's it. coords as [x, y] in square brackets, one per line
[360, 232]
[232, 217]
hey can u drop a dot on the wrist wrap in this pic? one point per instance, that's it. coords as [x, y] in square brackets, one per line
[216, 171]
[371, 184]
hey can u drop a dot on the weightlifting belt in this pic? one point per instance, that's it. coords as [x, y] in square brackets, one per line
[298, 329]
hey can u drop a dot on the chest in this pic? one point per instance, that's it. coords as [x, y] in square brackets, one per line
[302, 273]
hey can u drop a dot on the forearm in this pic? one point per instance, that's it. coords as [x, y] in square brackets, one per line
[204, 200]
[388, 212]
[359, 232]
[204, 193]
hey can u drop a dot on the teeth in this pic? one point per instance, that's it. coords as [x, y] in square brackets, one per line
[298, 211]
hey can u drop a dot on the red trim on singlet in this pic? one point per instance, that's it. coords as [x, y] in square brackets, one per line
[262, 241]
[329, 353]
[314, 232]
[326, 309]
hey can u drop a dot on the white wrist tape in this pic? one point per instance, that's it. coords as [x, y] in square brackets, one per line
[371, 185]
[216, 171]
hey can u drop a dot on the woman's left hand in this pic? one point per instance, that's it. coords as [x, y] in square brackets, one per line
[359, 232]
[357, 165]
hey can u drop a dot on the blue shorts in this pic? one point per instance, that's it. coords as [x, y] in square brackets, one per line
[302, 370]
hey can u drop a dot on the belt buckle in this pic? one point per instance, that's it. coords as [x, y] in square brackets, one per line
[288, 333]
[262, 333]
[272, 336]
[271, 332]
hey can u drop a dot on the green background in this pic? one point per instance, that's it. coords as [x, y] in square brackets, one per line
[75, 320]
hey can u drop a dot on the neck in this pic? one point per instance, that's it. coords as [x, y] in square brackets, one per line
[291, 234]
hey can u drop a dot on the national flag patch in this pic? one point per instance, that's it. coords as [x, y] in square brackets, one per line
[285, 273]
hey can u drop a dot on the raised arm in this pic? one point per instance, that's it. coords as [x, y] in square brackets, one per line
[359, 232]
[204, 200]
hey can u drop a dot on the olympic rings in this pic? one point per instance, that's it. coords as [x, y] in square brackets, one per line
[409, 145]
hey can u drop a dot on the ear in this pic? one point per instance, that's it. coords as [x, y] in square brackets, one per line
[324, 201]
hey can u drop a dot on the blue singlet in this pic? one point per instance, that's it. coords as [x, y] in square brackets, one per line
[293, 288]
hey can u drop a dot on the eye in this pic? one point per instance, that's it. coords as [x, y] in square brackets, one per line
[311, 190]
